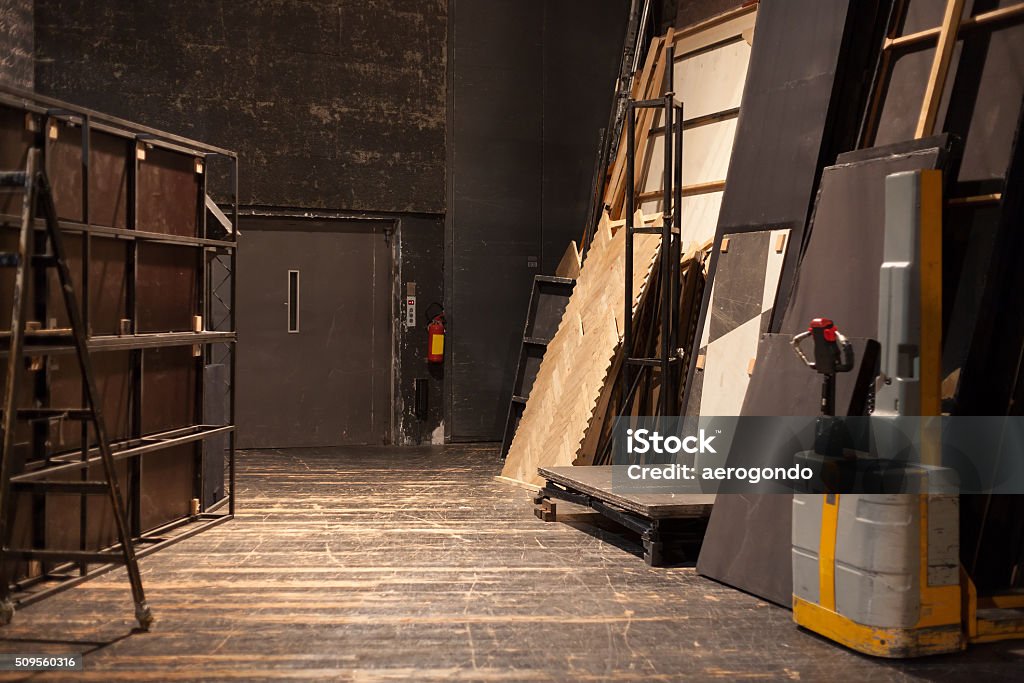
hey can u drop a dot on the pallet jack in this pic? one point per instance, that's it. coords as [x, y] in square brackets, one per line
[881, 573]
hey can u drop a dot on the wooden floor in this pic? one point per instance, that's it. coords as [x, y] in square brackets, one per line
[418, 565]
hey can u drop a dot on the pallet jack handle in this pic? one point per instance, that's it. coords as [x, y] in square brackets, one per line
[833, 354]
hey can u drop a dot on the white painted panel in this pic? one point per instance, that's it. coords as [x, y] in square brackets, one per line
[725, 369]
[712, 81]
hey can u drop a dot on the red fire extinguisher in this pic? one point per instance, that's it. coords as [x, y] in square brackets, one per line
[435, 339]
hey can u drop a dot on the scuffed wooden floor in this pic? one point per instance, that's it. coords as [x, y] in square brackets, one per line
[415, 564]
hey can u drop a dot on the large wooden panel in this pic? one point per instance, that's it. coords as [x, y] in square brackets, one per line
[168, 388]
[166, 287]
[63, 513]
[577, 362]
[109, 156]
[169, 199]
[108, 283]
[166, 485]
[112, 370]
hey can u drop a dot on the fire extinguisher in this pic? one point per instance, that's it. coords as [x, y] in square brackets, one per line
[435, 337]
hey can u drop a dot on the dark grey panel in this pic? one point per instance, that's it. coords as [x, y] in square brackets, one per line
[838, 275]
[749, 537]
[748, 541]
[495, 208]
[582, 50]
[215, 412]
[331, 382]
[785, 111]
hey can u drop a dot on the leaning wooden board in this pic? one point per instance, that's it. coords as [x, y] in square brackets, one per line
[572, 376]
[596, 481]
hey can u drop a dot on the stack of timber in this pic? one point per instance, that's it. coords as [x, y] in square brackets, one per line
[581, 356]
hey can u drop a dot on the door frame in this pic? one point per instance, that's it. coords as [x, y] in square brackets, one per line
[390, 227]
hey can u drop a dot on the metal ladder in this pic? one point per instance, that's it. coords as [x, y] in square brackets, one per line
[37, 195]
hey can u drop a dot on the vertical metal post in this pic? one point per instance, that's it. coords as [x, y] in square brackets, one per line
[627, 332]
[131, 312]
[234, 328]
[83, 500]
[677, 248]
[666, 231]
[14, 362]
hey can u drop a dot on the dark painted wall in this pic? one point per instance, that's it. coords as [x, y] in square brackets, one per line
[582, 51]
[421, 256]
[16, 43]
[531, 86]
[330, 104]
[690, 12]
[494, 209]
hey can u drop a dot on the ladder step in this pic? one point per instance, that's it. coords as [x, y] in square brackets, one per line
[62, 487]
[104, 556]
[12, 179]
[44, 260]
[54, 414]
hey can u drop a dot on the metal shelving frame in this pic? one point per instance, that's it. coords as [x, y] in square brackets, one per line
[215, 301]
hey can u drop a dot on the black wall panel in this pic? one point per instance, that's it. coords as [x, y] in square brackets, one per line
[531, 87]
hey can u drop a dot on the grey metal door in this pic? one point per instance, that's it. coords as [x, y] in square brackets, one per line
[315, 333]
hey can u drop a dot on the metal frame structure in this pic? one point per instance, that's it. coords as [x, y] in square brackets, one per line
[670, 232]
[212, 341]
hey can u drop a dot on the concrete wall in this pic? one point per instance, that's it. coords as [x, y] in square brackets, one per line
[16, 43]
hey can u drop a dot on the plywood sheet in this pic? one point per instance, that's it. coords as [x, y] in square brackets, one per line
[597, 482]
[169, 195]
[710, 81]
[575, 367]
[741, 305]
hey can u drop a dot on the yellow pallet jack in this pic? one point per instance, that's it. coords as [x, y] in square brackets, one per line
[880, 573]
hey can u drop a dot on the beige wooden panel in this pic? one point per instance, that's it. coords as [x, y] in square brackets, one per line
[687, 40]
[706, 154]
[575, 367]
[712, 81]
[700, 215]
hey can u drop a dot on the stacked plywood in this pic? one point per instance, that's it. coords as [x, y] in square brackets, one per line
[575, 371]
